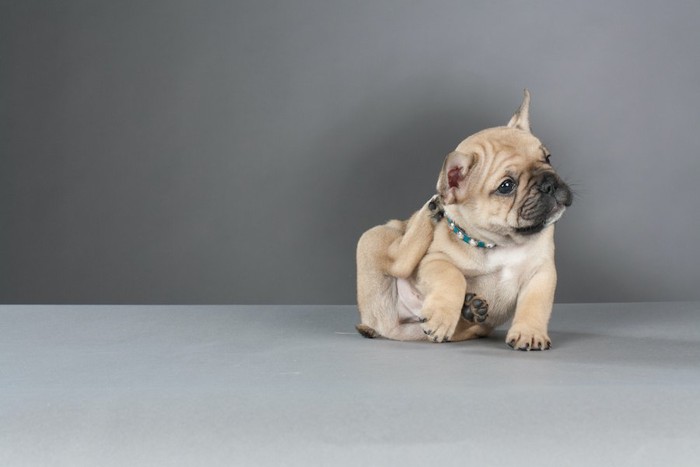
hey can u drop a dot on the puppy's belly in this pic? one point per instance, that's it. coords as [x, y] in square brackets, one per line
[501, 297]
[409, 301]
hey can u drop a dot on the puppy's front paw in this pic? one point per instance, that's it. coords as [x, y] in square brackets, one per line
[440, 325]
[524, 337]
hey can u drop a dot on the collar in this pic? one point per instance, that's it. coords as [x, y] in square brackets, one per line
[438, 212]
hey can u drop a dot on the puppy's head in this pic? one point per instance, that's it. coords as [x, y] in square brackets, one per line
[499, 183]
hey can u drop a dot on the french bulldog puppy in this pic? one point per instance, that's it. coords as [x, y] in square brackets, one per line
[477, 254]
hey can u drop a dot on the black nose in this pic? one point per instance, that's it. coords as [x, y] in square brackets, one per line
[553, 186]
[549, 184]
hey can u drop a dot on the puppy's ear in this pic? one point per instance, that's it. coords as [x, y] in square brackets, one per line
[521, 118]
[452, 183]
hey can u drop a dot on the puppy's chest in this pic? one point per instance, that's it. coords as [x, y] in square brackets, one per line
[498, 277]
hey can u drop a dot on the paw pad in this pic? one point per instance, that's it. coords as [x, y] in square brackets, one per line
[475, 309]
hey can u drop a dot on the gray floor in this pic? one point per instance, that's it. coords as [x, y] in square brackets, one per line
[257, 386]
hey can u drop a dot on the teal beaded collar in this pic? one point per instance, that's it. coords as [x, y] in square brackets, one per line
[466, 238]
[438, 211]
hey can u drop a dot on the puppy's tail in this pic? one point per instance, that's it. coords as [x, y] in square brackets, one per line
[366, 331]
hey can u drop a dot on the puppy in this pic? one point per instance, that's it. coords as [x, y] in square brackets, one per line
[477, 254]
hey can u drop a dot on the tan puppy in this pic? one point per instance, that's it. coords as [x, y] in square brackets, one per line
[477, 254]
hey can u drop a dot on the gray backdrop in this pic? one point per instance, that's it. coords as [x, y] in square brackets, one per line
[169, 151]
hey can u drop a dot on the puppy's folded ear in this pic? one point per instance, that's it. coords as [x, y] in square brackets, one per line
[452, 183]
[521, 118]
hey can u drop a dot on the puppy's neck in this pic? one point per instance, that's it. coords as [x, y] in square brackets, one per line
[456, 224]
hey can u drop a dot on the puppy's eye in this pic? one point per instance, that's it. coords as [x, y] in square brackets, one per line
[547, 158]
[506, 187]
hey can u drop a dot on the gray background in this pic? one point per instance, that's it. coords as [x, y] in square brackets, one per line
[233, 152]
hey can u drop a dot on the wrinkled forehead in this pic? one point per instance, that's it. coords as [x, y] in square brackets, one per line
[503, 140]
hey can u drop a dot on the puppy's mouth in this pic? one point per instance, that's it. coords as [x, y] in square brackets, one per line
[531, 229]
[554, 216]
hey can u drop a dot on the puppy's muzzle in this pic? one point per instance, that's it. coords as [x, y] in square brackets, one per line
[549, 198]
[552, 185]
